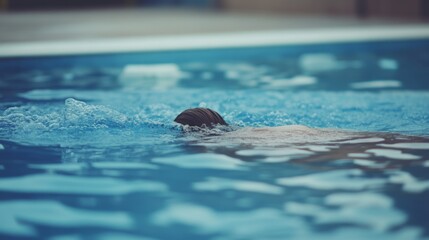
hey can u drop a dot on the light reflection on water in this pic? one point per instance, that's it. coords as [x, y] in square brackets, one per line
[107, 162]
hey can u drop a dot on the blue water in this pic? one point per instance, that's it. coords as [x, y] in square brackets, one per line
[89, 149]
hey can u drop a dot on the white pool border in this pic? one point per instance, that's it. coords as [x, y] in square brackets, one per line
[214, 40]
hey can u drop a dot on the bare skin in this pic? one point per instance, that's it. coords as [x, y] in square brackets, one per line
[320, 144]
[282, 135]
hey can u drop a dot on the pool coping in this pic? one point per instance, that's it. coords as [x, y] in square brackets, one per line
[215, 41]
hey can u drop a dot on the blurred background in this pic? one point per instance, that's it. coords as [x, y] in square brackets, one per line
[415, 9]
[41, 20]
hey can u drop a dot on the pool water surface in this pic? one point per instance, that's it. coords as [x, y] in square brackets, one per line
[89, 149]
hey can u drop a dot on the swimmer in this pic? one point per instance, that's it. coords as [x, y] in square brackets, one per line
[205, 123]
[200, 119]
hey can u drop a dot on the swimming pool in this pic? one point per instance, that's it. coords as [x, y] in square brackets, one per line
[88, 148]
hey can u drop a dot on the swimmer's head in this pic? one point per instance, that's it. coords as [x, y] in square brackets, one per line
[200, 117]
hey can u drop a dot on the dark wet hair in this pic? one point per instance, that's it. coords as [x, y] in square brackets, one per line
[199, 117]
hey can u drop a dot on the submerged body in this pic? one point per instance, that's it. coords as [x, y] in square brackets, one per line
[301, 143]
[289, 133]
[211, 126]
[204, 121]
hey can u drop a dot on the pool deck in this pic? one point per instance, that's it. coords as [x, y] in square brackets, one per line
[118, 30]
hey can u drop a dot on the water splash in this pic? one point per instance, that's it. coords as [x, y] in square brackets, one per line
[80, 114]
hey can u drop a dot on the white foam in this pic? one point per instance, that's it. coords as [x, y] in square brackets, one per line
[202, 160]
[1, 147]
[18, 217]
[53, 183]
[78, 113]
[426, 163]
[408, 145]
[31, 119]
[377, 84]
[392, 154]
[333, 180]
[217, 184]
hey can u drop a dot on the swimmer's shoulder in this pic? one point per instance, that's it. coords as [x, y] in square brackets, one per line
[291, 128]
[287, 128]
[299, 127]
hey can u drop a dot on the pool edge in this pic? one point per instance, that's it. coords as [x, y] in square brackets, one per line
[214, 41]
